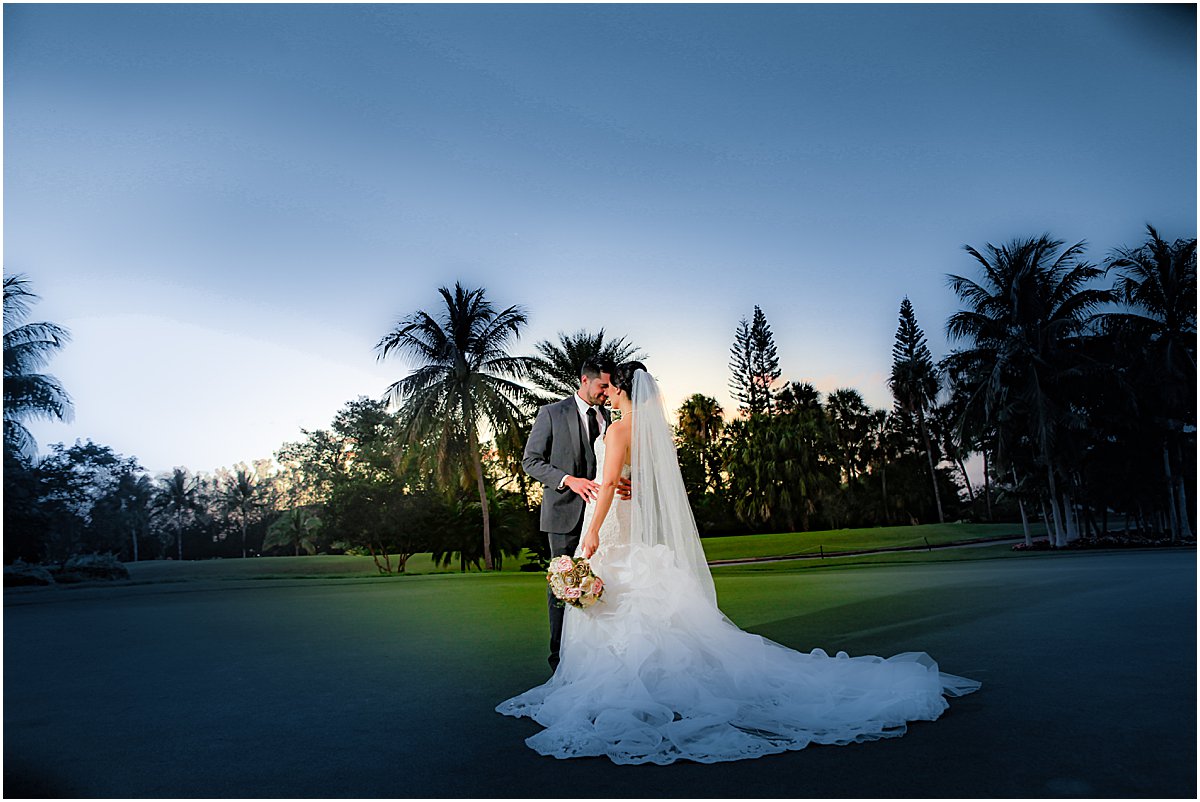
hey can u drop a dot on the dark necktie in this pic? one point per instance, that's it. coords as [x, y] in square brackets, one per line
[593, 426]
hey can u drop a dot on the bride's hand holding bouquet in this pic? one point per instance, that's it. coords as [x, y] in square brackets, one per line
[573, 582]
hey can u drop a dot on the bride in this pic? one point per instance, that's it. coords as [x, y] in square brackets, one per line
[655, 673]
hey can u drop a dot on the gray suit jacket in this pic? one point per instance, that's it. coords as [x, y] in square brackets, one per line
[556, 449]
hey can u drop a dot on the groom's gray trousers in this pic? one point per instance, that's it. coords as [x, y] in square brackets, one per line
[560, 543]
[557, 448]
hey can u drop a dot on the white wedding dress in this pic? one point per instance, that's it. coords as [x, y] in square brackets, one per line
[655, 673]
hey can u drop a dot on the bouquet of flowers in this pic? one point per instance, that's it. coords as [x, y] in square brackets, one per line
[573, 582]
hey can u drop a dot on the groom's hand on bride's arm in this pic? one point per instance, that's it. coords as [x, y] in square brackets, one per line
[624, 489]
[586, 488]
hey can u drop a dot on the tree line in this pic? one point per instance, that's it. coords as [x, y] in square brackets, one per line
[1079, 399]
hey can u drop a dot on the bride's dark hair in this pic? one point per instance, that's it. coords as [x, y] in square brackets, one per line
[622, 377]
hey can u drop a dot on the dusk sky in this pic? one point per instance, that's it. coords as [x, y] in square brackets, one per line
[229, 205]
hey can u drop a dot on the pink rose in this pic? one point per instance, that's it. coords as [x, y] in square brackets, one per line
[561, 565]
[597, 585]
[571, 593]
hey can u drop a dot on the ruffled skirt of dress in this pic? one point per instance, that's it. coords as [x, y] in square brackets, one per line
[655, 673]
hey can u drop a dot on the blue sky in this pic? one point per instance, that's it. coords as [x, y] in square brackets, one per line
[229, 205]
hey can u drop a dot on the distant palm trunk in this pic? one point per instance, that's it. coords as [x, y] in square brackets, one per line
[887, 519]
[1060, 538]
[937, 496]
[962, 468]
[1070, 523]
[1021, 507]
[483, 502]
[179, 534]
[1185, 525]
[987, 486]
[1025, 523]
[1172, 505]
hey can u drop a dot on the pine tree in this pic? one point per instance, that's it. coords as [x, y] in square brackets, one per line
[754, 364]
[914, 382]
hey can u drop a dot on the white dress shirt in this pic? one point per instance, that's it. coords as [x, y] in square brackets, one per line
[584, 406]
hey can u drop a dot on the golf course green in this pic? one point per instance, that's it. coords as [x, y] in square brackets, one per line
[334, 685]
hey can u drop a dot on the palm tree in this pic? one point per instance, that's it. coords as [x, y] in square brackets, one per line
[880, 428]
[296, 528]
[1156, 284]
[240, 495]
[962, 430]
[464, 377]
[555, 370]
[177, 495]
[27, 348]
[135, 494]
[794, 396]
[701, 419]
[914, 383]
[850, 426]
[1024, 324]
[950, 440]
[775, 467]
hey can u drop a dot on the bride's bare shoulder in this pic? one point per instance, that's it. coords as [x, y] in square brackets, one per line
[618, 429]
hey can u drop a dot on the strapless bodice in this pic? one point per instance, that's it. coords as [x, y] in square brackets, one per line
[614, 530]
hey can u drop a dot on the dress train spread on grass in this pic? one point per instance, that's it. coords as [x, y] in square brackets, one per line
[655, 673]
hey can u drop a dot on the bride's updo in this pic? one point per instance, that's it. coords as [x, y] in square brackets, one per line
[622, 377]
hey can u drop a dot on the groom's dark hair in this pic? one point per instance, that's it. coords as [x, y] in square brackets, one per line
[593, 366]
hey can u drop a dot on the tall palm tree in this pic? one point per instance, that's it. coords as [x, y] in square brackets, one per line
[850, 427]
[134, 495]
[701, 419]
[1024, 323]
[464, 377]
[240, 496]
[178, 494]
[880, 426]
[950, 439]
[27, 348]
[1156, 285]
[555, 369]
[914, 384]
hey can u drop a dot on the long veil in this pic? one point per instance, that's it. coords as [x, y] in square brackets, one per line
[661, 514]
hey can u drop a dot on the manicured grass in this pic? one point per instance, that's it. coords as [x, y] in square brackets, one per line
[331, 566]
[317, 566]
[881, 537]
[983, 552]
[360, 686]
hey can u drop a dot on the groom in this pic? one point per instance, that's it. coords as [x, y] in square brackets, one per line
[561, 455]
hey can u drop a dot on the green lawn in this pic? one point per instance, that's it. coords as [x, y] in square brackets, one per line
[880, 537]
[350, 685]
[326, 566]
[717, 548]
[989, 551]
